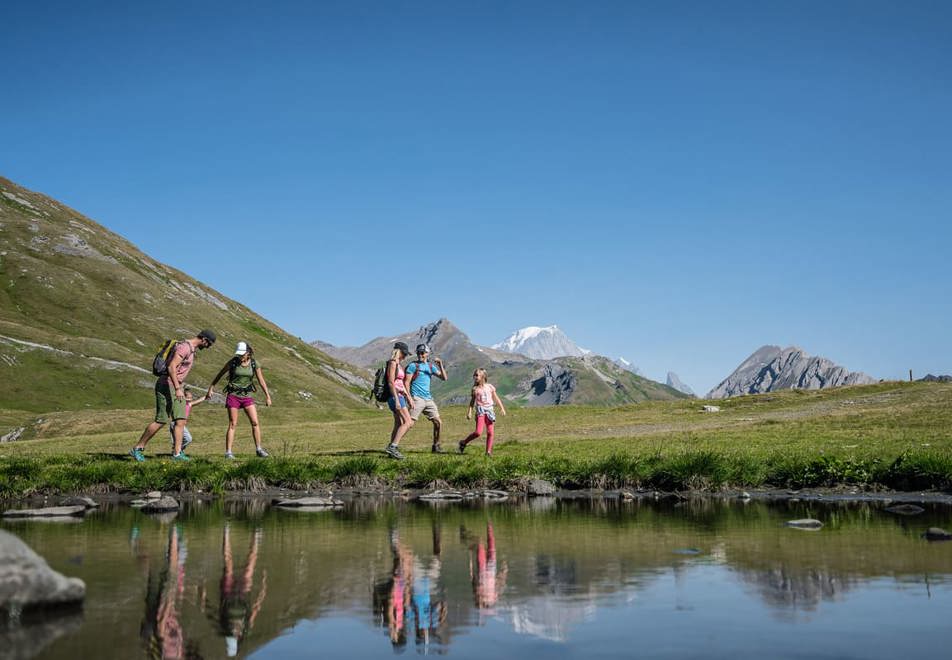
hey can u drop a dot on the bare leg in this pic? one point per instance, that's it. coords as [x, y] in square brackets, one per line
[177, 435]
[147, 434]
[404, 426]
[437, 427]
[252, 412]
[230, 433]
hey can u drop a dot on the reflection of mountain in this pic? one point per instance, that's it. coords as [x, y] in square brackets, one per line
[789, 590]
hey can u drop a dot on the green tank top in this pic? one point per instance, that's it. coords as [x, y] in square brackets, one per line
[241, 381]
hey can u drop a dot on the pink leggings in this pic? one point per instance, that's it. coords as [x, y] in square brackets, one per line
[482, 424]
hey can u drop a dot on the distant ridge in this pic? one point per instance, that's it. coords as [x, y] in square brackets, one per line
[771, 368]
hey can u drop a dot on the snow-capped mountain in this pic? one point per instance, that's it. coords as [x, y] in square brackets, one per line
[628, 366]
[541, 343]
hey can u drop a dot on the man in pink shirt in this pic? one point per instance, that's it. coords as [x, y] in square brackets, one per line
[170, 401]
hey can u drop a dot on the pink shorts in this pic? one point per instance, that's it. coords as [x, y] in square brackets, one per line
[236, 402]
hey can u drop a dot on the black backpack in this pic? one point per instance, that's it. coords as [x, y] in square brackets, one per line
[381, 388]
[160, 363]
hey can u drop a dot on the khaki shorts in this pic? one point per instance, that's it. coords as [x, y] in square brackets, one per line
[426, 407]
[167, 407]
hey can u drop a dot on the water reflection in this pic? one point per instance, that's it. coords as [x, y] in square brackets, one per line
[237, 578]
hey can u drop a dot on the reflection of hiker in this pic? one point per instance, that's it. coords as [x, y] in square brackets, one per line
[488, 580]
[483, 398]
[418, 378]
[242, 370]
[392, 595]
[236, 611]
[170, 394]
[428, 606]
[162, 627]
[398, 402]
[186, 436]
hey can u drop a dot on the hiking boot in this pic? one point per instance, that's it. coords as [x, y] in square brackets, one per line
[261, 452]
[436, 449]
[137, 454]
[229, 456]
[461, 447]
[393, 452]
[179, 457]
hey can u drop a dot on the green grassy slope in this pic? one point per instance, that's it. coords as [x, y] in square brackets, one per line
[97, 307]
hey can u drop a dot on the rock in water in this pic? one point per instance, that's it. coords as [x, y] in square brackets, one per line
[48, 512]
[161, 505]
[905, 509]
[27, 582]
[309, 502]
[937, 534]
[153, 495]
[80, 500]
[805, 523]
[539, 487]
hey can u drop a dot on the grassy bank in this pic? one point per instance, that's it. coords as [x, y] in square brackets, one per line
[892, 435]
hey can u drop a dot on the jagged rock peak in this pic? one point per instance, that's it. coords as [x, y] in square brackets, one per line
[678, 384]
[771, 368]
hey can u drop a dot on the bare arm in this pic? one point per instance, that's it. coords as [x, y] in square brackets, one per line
[442, 372]
[472, 404]
[392, 380]
[408, 381]
[173, 377]
[498, 401]
[202, 399]
[264, 386]
[217, 378]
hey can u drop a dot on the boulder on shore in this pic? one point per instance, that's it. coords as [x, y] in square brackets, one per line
[27, 581]
[47, 512]
[80, 500]
[540, 487]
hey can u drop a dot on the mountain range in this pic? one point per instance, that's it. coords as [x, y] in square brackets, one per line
[585, 379]
[538, 343]
[772, 368]
[82, 312]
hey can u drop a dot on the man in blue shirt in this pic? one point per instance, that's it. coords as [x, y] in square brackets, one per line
[419, 375]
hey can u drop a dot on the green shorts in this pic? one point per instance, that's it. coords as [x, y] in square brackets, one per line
[167, 407]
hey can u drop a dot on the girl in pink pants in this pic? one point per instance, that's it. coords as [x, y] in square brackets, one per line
[483, 399]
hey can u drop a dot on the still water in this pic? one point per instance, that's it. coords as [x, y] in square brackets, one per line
[563, 579]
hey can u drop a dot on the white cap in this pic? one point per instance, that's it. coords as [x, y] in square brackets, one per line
[241, 348]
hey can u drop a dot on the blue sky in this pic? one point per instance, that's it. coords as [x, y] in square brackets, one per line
[677, 183]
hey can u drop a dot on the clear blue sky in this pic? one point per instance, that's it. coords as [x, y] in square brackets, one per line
[677, 183]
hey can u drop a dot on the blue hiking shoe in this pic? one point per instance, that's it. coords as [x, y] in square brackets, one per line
[179, 457]
[137, 454]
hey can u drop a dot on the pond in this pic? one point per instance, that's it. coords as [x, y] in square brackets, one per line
[564, 578]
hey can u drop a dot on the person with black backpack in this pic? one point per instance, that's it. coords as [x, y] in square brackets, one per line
[172, 364]
[398, 399]
[242, 370]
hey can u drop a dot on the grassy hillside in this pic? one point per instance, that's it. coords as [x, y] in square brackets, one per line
[895, 435]
[82, 312]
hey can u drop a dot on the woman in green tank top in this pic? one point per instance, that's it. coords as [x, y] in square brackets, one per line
[242, 372]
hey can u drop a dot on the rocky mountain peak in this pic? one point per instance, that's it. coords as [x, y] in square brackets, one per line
[678, 384]
[541, 343]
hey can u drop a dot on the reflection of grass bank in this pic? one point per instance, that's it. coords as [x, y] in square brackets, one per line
[891, 435]
[666, 471]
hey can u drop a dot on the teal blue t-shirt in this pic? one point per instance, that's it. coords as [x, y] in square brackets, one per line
[421, 384]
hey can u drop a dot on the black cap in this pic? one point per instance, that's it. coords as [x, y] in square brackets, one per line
[207, 335]
[403, 347]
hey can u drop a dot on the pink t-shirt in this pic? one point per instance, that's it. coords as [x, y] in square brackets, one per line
[185, 351]
[484, 396]
[398, 383]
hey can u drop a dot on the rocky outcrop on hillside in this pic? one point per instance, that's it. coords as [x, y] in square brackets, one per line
[678, 384]
[551, 385]
[929, 378]
[541, 343]
[772, 368]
